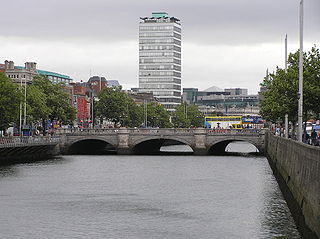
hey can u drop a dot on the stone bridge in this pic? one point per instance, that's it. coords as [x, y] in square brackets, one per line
[149, 141]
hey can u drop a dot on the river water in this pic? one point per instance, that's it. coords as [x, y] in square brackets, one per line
[144, 197]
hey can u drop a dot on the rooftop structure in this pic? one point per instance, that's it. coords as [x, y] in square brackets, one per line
[20, 73]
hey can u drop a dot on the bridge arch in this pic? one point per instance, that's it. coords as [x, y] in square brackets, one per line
[152, 145]
[218, 147]
[91, 146]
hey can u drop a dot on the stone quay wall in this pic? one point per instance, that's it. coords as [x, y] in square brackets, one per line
[297, 169]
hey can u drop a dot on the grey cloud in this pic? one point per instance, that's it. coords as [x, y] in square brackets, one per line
[205, 22]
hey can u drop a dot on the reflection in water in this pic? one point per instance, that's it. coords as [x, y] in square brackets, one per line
[241, 147]
[274, 211]
[7, 171]
[176, 148]
[144, 197]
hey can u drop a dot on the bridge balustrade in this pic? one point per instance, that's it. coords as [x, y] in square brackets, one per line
[6, 142]
[234, 131]
[86, 131]
[165, 131]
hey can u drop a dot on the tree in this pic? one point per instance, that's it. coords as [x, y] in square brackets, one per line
[135, 114]
[57, 103]
[116, 106]
[158, 116]
[10, 99]
[37, 107]
[187, 116]
[281, 96]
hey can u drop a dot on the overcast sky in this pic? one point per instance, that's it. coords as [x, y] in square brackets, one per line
[226, 43]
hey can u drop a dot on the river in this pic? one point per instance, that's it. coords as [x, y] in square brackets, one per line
[154, 197]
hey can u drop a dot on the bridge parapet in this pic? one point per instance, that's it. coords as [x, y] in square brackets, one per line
[243, 132]
[161, 131]
[79, 132]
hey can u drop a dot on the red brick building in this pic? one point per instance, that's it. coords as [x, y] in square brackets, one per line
[81, 102]
[97, 83]
[2, 67]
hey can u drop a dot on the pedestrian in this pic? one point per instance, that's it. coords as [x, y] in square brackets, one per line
[313, 137]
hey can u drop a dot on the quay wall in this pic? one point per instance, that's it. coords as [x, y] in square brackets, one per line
[24, 154]
[297, 169]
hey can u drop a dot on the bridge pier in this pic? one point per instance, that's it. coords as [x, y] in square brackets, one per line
[123, 145]
[200, 151]
[124, 151]
[200, 142]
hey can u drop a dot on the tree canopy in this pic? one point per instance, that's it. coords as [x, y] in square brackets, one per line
[116, 106]
[55, 102]
[157, 116]
[281, 96]
[45, 100]
[187, 116]
[10, 99]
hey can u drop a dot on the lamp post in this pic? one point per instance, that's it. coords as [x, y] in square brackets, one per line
[286, 121]
[145, 114]
[25, 102]
[20, 113]
[300, 94]
[92, 117]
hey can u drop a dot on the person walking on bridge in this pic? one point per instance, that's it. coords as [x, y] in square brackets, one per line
[313, 137]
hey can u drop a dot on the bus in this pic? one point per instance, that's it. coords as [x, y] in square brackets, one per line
[252, 121]
[223, 122]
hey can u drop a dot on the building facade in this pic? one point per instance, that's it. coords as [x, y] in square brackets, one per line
[2, 68]
[232, 101]
[20, 74]
[96, 84]
[160, 58]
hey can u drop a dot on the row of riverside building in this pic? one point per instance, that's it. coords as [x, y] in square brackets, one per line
[80, 93]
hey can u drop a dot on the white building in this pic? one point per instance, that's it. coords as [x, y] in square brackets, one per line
[25, 74]
[160, 58]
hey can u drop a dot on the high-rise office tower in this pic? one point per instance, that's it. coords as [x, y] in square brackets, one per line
[160, 58]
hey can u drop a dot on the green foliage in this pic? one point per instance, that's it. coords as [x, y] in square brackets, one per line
[56, 102]
[135, 114]
[10, 99]
[158, 116]
[281, 96]
[36, 104]
[116, 106]
[187, 116]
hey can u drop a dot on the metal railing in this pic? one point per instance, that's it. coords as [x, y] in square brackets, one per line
[28, 141]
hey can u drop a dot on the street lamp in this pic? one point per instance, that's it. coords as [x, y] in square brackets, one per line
[286, 121]
[300, 95]
[25, 101]
[145, 114]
